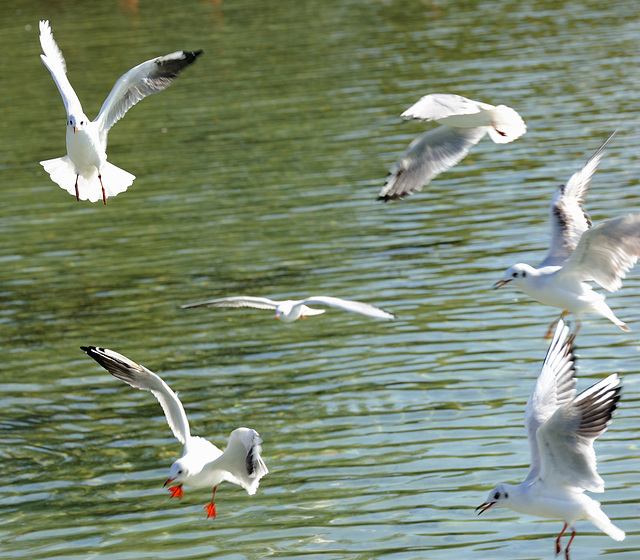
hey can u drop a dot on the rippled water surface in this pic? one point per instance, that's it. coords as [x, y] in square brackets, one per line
[257, 173]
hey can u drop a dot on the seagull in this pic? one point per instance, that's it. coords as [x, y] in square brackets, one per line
[202, 464]
[463, 123]
[580, 253]
[290, 310]
[84, 171]
[561, 429]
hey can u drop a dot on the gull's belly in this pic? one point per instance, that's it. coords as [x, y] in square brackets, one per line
[84, 151]
[548, 291]
[568, 507]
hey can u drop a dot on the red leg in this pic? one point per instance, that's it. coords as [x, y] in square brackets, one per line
[566, 550]
[558, 547]
[104, 194]
[211, 508]
[550, 331]
[77, 193]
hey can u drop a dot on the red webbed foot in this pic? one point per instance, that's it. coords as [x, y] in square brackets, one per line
[176, 491]
[211, 507]
[211, 510]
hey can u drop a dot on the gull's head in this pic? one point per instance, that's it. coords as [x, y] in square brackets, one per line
[497, 497]
[517, 273]
[288, 311]
[178, 473]
[76, 123]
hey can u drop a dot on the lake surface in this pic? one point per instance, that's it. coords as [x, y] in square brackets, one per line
[257, 173]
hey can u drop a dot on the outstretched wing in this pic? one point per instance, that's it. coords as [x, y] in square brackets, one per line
[349, 305]
[236, 301]
[140, 377]
[565, 440]
[569, 220]
[145, 79]
[427, 156]
[606, 252]
[54, 61]
[553, 389]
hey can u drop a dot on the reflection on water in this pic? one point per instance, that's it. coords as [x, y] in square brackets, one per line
[258, 175]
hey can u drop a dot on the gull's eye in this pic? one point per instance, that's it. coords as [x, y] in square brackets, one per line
[496, 496]
[515, 275]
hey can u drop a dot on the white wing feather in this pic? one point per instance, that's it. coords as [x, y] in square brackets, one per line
[141, 81]
[606, 252]
[140, 377]
[569, 220]
[554, 388]
[54, 61]
[567, 457]
[349, 305]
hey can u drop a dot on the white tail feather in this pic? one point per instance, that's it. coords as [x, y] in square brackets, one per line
[63, 172]
[602, 522]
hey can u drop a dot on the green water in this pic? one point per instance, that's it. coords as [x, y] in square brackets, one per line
[257, 173]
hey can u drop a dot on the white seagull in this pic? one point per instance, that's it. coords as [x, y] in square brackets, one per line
[578, 254]
[290, 310]
[464, 123]
[561, 429]
[84, 171]
[202, 464]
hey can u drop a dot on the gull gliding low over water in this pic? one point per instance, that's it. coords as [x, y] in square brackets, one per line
[290, 310]
[464, 123]
[84, 171]
[579, 253]
[202, 464]
[561, 429]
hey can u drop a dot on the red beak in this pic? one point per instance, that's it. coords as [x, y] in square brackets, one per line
[168, 481]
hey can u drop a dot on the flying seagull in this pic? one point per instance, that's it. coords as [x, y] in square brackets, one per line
[561, 428]
[202, 464]
[84, 171]
[463, 123]
[290, 310]
[580, 253]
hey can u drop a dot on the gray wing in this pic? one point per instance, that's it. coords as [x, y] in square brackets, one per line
[140, 377]
[568, 218]
[145, 79]
[236, 301]
[350, 305]
[567, 457]
[54, 61]
[606, 252]
[426, 157]
[554, 387]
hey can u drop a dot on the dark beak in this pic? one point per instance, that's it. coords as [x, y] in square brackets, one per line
[484, 507]
[500, 283]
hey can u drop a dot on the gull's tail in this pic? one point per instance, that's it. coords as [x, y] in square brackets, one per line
[602, 522]
[506, 125]
[62, 171]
